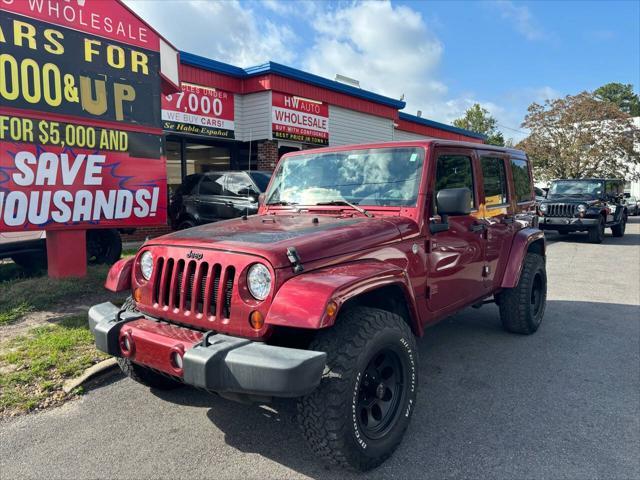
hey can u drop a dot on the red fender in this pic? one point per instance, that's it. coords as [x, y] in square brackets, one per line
[119, 276]
[302, 301]
[521, 242]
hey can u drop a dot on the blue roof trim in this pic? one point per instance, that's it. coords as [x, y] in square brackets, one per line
[441, 126]
[208, 64]
[289, 72]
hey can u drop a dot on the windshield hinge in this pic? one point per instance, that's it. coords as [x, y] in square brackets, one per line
[294, 258]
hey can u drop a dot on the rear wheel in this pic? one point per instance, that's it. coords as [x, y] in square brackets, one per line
[357, 417]
[596, 234]
[141, 374]
[522, 307]
[619, 229]
[186, 224]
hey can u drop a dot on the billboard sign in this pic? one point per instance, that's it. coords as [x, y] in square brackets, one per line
[80, 124]
[299, 119]
[199, 110]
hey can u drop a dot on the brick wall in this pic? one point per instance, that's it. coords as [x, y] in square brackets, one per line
[142, 233]
[267, 155]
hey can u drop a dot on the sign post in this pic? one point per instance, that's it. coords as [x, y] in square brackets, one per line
[80, 124]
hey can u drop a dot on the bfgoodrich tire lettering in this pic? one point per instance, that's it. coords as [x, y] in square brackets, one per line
[522, 307]
[332, 417]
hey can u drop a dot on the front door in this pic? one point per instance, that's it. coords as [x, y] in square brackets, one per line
[456, 256]
[498, 215]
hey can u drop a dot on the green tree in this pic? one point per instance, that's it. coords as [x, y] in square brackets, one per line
[622, 95]
[478, 119]
[580, 136]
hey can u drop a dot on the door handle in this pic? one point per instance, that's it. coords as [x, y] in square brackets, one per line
[229, 204]
[478, 227]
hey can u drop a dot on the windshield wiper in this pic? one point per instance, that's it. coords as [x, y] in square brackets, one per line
[282, 203]
[349, 204]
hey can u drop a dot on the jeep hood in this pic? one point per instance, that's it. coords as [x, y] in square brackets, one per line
[314, 236]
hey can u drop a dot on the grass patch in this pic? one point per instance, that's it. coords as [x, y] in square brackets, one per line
[19, 296]
[34, 366]
[129, 252]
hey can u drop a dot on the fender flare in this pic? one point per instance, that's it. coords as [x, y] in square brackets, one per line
[301, 302]
[119, 276]
[521, 243]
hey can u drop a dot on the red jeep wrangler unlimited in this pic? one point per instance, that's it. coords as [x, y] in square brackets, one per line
[321, 295]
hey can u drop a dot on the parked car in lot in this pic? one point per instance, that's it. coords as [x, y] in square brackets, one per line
[213, 196]
[355, 251]
[29, 249]
[633, 205]
[585, 205]
[540, 195]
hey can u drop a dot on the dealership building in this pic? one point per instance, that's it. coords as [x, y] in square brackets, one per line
[231, 118]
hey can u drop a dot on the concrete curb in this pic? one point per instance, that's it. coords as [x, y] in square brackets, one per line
[90, 372]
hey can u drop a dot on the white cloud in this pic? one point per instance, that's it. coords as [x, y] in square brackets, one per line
[225, 31]
[521, 19]
[388, 48]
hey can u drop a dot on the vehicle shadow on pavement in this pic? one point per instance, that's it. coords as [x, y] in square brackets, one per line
[629, 238]
[560, 403]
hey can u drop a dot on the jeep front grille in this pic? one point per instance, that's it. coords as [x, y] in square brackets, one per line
[194, 287]
[561, 209]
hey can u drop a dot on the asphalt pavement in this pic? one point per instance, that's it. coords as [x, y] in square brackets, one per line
[563, 403]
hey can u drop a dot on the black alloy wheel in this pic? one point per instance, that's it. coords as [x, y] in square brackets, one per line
[380, 394]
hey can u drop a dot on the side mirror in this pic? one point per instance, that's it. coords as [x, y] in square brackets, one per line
[261, 199]
[454, 201]
[451, 201]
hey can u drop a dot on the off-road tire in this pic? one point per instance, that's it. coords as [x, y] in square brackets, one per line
[140, 374]
[618, 229]
[32, 262]
[186, 224]
[519, 311]
[596, 234]
[103, 246]
[329, 415]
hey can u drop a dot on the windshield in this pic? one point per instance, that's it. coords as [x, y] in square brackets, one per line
[576, 188]
[261, 179]
[381, 176]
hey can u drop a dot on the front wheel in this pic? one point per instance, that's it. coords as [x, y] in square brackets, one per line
[357, 417]
[522, 307]
[596, 234]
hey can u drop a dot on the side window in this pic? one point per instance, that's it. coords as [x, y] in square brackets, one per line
[522, 181]
[239, 185]
[455, 171]
[495, 181]
[211, 185]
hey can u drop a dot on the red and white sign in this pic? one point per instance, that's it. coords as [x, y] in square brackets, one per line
[57, 188]
[199, 110]
[299, 119]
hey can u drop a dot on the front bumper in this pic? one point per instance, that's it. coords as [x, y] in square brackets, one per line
[215, 362]
[566, 223]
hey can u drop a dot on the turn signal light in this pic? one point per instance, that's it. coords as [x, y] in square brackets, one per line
[256, 320]
[332, 308]
[137, 295]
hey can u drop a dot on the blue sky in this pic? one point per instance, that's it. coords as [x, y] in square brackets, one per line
[442, 55]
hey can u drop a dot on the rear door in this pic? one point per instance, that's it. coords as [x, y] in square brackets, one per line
[456, 256]
[498, 214]
[210, 202]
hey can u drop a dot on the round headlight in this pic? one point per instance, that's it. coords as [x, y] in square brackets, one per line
[582, 208]
[146, 264]
[543, 207]
[259, 281]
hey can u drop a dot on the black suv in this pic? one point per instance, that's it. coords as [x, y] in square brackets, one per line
[212, 196]
[585, 205]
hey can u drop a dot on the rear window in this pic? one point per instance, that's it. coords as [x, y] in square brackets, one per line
[494, 181]
[521, 180]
